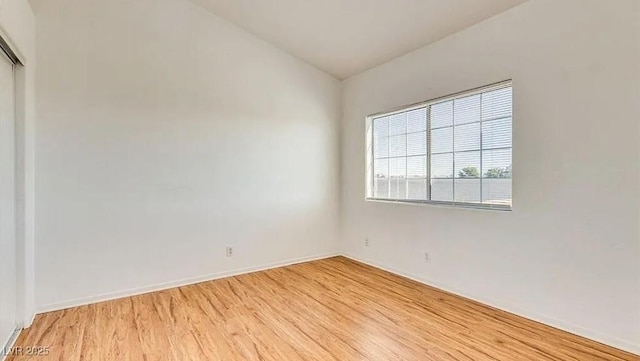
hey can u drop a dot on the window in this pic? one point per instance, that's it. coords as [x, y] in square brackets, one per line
[454, 150]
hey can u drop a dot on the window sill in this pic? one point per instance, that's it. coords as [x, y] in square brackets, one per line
[487, 207]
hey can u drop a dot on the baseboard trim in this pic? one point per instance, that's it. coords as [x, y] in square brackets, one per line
[28, 321]
[549, 321]
[5, 350]
[178, 283]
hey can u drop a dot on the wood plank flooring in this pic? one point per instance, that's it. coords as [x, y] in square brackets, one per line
[332, 309]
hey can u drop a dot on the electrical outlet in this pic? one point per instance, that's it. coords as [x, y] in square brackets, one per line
[427, 257]
[229, 251]
[366, 242]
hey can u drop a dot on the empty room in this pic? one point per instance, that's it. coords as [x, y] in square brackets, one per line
[437, 180]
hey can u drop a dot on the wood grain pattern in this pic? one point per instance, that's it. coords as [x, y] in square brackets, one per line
[333, 309]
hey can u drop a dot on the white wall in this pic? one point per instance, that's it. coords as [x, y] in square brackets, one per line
[165, 134]
[17, 27]
[569, 252]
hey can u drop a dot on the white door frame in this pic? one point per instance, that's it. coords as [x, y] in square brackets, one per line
[25, 186]
[8, 226]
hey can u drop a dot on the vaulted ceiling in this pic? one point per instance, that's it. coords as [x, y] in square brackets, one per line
[346, 37]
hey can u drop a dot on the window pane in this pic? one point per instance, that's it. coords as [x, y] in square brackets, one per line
[442, 190]
[496, 191]
[467, 165]
[467, 137]
[467, 109]
[417, 143]
[398, 124]
[380, 147]
[496, 163]
[496, 103]
[496, 133]
[417, 120]
[381, 127]
[442, 165]
[397, 176]
[398, 188]
[442, 114]
[398, 146]
[467, 190]
[381, 188]
[442, 140]
[467, 183]
[381, 178]
[417, 189]
[398, 167]
[417, 167]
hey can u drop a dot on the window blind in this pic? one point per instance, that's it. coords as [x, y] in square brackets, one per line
[455, 150]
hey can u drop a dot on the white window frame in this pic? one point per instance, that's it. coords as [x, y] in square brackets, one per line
[426, 104]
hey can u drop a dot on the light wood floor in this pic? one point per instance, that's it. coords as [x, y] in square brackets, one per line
[333, 309]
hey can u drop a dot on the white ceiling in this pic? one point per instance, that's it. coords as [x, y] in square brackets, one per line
[346, 37]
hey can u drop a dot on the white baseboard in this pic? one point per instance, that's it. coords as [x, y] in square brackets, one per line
[28, 321]
[625, 345]
[178, 283]
[5, 350]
